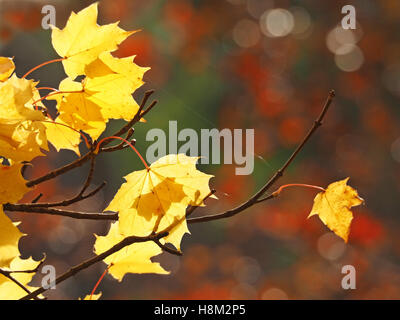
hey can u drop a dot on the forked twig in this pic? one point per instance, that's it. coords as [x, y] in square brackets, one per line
[278, 174]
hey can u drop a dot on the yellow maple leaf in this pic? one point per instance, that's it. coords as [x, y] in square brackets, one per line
[9, 238]
[88, 106]
[9, 290]
[77, 111]
[7, 67]
[118, 74]
[82, 40]
[333, 207]
[110, 83]
[22, 133]
[134, 258]
[95, 296]
[16, 97]
[12, 187]
[154, 198]
[62, 137]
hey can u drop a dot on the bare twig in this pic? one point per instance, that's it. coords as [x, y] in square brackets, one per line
[167, 249]
[62, 203]
[59, 212]
[191, 209]
[120, 245]
[2, 271]
[37, 198]
[122, 145]
[8, 275]
[256, 198]
[55, 173]
[89, 177]
[139, 115]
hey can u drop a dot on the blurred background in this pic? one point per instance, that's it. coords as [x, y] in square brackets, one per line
[260, 64]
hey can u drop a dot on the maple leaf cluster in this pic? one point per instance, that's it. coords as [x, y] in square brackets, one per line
[152, 201]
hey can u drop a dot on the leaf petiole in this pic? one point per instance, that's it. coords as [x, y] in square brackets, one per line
[98, 281]
[41, 65]
[279, 190]
[126, 141]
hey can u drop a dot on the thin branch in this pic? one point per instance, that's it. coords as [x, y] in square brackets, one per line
[59, 212]
[2, 271]
[257, 198]
[168, 249]
[278, 174]
[151, 106]
[191, 209]
[120, 245]
[55, 173]
[122, 145]
[139, 114]
[89, 177]
[63, 203]
[37, 198]
[269, 197]
[79, 197]
[9, 276]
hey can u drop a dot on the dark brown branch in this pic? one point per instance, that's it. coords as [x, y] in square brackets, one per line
[55, 173]
[151, 106]
[59, 212]
[120, 245]
[64, 203]
[2, 271]
[191, 209]
[139, 114]
[121, 145]
[269, 197]
[79, 197]
[167, 249]
[37, 198]
[257, 198]
[278, 174]
[8, 275]
[89, 176]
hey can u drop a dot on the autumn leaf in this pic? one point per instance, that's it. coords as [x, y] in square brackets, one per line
[22, 133]
[9, 290]
[154, 198]
[134, 258]
[7, 67]
[121, 75]
[110, 83]
[16, 97]
[12, 187]
[77, 112]
[88, 105]
[333, 207]
[82, 40]
[9, 237]
[61, 136]
[95, 296]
